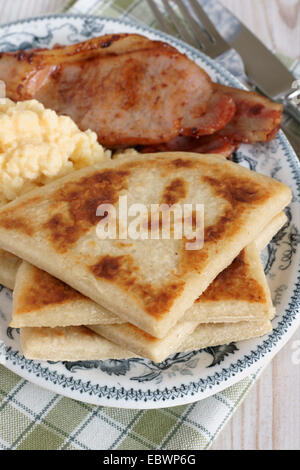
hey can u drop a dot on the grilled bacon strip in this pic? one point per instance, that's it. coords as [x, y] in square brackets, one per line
[257, 119]
[220, 110]
[133, 91]
[128, 89]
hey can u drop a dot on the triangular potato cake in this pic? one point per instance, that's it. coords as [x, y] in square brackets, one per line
[150, 283]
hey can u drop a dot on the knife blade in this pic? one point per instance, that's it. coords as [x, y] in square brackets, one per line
[262, 67]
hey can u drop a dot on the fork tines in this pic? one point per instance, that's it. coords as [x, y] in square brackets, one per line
[191, 23]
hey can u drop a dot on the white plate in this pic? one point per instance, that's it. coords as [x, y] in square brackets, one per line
[182, 378]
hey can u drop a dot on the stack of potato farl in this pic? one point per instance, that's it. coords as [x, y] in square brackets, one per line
[79, 296]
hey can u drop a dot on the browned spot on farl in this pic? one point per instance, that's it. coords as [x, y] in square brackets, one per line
[235, 283]
[13, 218]
[19, 224]
[113, 267]
[183, 163]
[122, 271]
[80, 200]
[174, 192]
[237, 189]
[44, 290]
[239, 192]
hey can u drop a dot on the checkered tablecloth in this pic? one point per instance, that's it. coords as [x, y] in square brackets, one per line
[34, 418]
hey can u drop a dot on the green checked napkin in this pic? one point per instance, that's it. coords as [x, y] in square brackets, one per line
[33, 418]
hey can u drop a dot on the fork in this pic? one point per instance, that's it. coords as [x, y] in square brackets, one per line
[204, 36]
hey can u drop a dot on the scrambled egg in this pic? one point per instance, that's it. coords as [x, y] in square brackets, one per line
[38, 146]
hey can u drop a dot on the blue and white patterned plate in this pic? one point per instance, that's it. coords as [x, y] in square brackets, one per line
[187, 377]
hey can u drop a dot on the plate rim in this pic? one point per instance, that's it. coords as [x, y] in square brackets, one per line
[214, 382]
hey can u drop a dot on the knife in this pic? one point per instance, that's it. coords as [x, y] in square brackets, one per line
[266, 72]
[262, 68]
